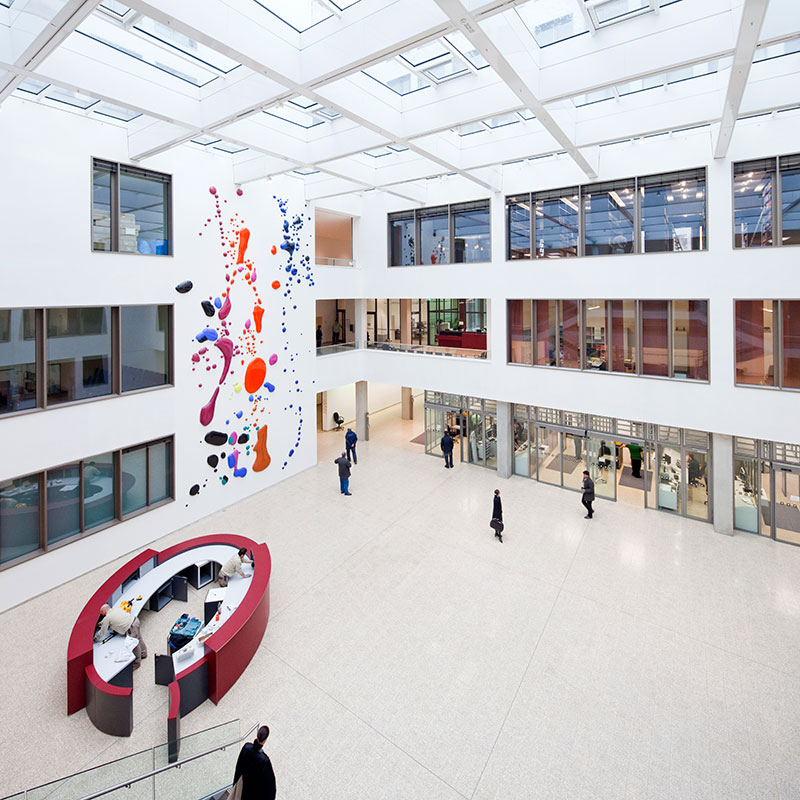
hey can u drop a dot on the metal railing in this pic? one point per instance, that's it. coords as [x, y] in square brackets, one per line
[428, 349]
[324, 261]
[208, 759]
[342, 347]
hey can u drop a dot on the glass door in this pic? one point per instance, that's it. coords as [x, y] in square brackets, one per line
[490, 424]
[697, 481]
[601, 466]
[786, 503]
[669, 479]
[572, 459]
[548, 455]
[522, 449]
[475, 439]
[630, 465]
[434, 430]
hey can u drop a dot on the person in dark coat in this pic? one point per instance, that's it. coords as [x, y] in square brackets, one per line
[497, 516]
[447, 449]
[319, 336]
[350, 439]
[255, 769]
[588, 493]
[344, 473]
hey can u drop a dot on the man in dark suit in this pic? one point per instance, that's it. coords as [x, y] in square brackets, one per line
[497, 516]
[344, 473]
[588, 493]
[447, 449]
[255, 769]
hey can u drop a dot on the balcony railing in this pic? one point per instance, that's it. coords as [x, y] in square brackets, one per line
[325, 261]
[428, 349]
[329, 349]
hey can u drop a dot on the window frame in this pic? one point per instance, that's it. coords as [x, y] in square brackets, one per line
[115, 208]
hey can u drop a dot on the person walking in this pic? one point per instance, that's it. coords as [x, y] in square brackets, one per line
[636, 459]
[497, 516]
[336, 330]
[319, 336]
[588, 493]
[254, 778]
[344, 474]
[447, 449]
[350, 439]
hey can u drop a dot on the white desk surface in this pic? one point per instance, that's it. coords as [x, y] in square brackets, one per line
[105, 653]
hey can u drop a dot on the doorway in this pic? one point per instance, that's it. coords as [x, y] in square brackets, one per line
[784, 495]
[633, 472]
[437, 421]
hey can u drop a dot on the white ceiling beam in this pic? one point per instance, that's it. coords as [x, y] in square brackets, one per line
[475, 34]
[753, 13]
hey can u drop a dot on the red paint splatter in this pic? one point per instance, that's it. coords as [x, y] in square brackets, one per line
[263, 458]
[244, 238]
[258, 313]
[226, 307]
[255, 374]
[207, 411]
[225, 346]
[276, 284]
[273, 249]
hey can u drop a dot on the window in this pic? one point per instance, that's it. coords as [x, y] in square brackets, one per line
[569, 334]
[519, 327]
[790, 200]
[556, 215]
[624, 349]
[62, 355]
[130, 209]
[673, 211]
[454, 234]
[690, 339]
[752, 203]
[768, 343]
[655, 337]
[518, 227]
[545, 332]
[41, 511]
[595, 344]
[608, 218]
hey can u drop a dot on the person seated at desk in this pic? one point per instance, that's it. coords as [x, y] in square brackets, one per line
[122, 622]
[232, 566]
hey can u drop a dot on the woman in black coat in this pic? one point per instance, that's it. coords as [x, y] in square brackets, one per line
[497, 515]
[255, 769]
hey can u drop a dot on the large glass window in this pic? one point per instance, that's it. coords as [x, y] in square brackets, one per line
[19, 517]
[673, 212]
[690, 339]
[98, 491]
[595, 344]
[17, 359]
[401, 240]
[790, 199]
[78, 353]
[144, 346]
[63, 503]
[134, 479]
[755, 342]
[569, 334]
[608, 218]
[471, 232]
[655, 337]
[752, 203]
[434, 235]
[791, 343]
[159, 461]
[545, 332]
[519, 328]
[556, 216]
[623, 336]
[518, 227]
[130, 209]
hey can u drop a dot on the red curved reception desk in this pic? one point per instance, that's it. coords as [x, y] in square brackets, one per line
[100, 676]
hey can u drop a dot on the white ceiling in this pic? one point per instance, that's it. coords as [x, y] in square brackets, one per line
[362, 94]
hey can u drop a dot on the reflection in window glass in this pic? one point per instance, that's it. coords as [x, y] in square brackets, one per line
[63, 503]
[17, 359]
[143, 206]
[78, 353]
[608, 218]
[697, 485]
[98, 490]
[623, 336]
[144, 346]
[752, 203]
[791, 343]
[160, 468]
[471, 236]
[134, 480]
[101, 204]
[518, 233]
[670, 477]
[569, 334]
[790, 200]
[595, 335]
[557, 224]
[519, 327]
[434, 234]
[546, 332]
[655, 337]
[19, 517]
[755, 342]
[673, 212]
[745, 492]
[522, 449]
[401, 234]
[690, 339]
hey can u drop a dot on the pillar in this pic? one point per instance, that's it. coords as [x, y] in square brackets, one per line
[405, 324]
[505, 439]
[406, 402]
[722, 482]
[362, 417]
[360, 324]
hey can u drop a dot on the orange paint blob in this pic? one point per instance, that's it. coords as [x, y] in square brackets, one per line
[258, 313]
[273, 250]
[255, 374]
[244, 238]
[276, 284]
[263, 458]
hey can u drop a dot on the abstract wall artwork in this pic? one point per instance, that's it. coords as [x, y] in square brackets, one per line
[244, 365]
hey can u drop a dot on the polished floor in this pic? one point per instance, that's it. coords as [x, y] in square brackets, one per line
[411, 655]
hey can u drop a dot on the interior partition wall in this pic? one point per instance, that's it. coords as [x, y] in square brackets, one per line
[766, 489]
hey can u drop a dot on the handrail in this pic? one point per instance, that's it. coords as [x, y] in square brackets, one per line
[175, 765]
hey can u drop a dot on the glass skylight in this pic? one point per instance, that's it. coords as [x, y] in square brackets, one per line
[378, 152]
[393, 75]
[606, 11]
[70, 98]
[697, 70]
[306, 171]
[596, 96]
[120, 9]
[115, 112]
[469, 128]
[425, 53]
[32, 86]
[552, 21]
[502, 120]
[447, 69]
[466, 49]
[294, 115]
[303, 102]
[397, 148]
[640, 85]
[206, 139]
[227, 147]
[303, 14]
[777, 50]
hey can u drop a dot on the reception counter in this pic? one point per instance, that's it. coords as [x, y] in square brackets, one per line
[473, 341]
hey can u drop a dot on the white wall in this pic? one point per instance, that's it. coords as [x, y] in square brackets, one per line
[343, 400]
[45, 213]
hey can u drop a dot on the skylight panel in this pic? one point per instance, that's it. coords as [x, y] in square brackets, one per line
[607, 11]
[378, 152]
[769, 51]
[298, 14]
[397, 148]
[6, 3]
[425, 53]
[227, 147]
[502, 120]
[469, 128]
[466, 49]
[640, 85]
[393, 75]
[306, 171]
[303, 102]
[526, 114]
[74, 99]
[552, 21]
[326, 112]
[120, 9]
[206, 139]
[697, 70]
[115, 112]
[303, 119]
[447, 69]
[32, 86]
[596, 96]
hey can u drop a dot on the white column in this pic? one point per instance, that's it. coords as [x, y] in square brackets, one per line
[505, 433]
[722, 482]
[406, 403]
[405, 324]
[362, 424]
[360, 323]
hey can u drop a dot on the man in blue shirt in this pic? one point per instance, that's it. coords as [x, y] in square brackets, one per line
[350, 439]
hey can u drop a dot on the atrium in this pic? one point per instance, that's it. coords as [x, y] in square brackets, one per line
[554, 236]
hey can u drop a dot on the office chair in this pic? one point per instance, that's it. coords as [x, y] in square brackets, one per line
[338, 419]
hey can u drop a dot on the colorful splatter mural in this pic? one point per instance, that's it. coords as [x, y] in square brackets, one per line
[236, 363]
